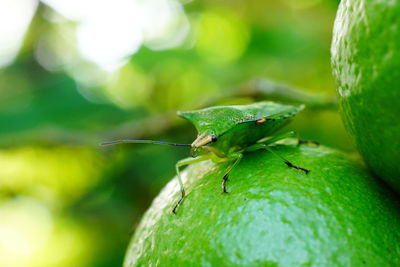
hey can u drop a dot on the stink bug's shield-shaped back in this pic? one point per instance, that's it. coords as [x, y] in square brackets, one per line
[238, 126]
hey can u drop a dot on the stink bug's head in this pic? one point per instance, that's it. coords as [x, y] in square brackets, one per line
[199, 146]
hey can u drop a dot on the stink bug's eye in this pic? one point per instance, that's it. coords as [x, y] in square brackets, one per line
[213, 138]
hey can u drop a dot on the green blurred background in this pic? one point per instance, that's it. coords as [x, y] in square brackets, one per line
[76, 73]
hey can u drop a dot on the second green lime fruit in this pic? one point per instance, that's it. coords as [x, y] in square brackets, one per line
[366, 65]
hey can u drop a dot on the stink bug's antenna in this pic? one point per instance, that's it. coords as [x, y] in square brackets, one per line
[142, 142]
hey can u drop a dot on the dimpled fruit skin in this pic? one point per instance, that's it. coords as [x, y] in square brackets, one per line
[366, 64]
[337, 215]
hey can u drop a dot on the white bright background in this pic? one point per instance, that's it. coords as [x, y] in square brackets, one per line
[107, 32]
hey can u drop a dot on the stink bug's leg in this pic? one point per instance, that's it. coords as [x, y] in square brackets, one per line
[288, 163]
[236, 156]
[182, 163]
[266, 147]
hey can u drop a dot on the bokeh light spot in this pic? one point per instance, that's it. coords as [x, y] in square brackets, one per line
[130, 88]
[15, 16]
[25, 227]
[108, 32]
[221, 37]
[65, 172]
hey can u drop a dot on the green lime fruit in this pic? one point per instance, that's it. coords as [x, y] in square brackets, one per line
[337, 215]
[366, 65]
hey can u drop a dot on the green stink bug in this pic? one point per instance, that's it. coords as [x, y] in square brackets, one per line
[226, 132]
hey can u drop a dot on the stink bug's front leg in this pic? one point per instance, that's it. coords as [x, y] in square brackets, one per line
[236, 156]
[182, 163]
